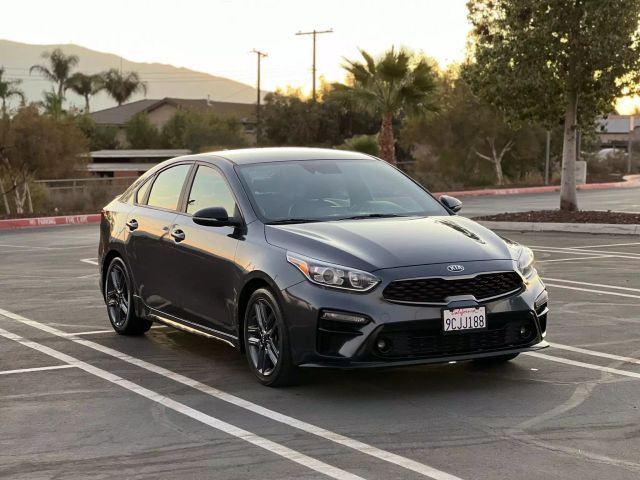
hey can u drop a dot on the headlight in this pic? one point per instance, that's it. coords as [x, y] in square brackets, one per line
[331, 275]
[525, 261]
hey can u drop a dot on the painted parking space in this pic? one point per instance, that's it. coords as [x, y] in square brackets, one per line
[569, 414]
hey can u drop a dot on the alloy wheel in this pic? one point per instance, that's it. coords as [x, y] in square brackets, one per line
[264, 338]
[117, 295]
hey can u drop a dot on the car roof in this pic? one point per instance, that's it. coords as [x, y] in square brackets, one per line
[282, 154]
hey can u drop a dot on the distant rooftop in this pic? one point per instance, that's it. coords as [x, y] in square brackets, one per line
[124, 154]
[122, 114]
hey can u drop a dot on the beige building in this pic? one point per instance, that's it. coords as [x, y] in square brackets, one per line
[615, 131]
[161, 111]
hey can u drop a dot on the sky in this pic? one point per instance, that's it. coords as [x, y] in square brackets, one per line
[216, 36]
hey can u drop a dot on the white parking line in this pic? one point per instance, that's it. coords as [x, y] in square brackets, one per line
[584, 251]
[357, 445]
[574, 259]
[34, 248]
[558, 250]
[614, 287]
[595, 353]
[591, 290]
[590, 366]
[609, 245]
[96, 332]
[90, 261]
[197, 415]
[36, 369]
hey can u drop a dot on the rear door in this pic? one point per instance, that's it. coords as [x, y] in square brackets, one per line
[149, 226]
[204, 261]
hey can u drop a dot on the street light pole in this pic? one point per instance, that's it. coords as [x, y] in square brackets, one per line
[314, 33]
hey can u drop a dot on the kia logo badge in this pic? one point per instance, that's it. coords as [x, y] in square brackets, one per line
[455, 268]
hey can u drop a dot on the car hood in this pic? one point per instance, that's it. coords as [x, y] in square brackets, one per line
[372, 244]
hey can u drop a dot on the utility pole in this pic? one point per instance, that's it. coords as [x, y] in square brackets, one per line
[632, 127]
[259, 55]
[547, 158]
[313, 68]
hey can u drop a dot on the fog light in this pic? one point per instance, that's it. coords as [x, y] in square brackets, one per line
[383, 345]
[344, 317]
[524, 331]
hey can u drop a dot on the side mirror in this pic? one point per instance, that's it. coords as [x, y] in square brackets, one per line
[452, 203]
[214, 217]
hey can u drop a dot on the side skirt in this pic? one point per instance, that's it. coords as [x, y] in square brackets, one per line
[185, 326]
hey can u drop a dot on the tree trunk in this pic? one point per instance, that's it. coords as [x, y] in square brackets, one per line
[568, 195]
[386, 142]
[4, 197]
[496, 158]
[86, 104]
[28, 194]
[499, 175]
[17, 198]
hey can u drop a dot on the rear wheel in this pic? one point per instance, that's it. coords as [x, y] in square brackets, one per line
[266, 341]
[119, 299]
[496, 360]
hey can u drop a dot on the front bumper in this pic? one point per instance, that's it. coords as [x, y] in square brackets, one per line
[413, 331]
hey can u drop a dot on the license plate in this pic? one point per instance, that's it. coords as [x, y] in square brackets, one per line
[460, 319]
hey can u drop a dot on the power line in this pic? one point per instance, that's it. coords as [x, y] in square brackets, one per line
[259, 56]
[314, 33]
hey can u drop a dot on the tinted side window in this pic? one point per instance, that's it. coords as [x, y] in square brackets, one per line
[142, 191]
[165, 191]
[210, 189]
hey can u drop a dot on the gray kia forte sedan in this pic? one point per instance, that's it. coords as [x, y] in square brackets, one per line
[308, 257]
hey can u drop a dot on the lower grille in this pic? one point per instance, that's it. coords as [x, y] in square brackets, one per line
[436, 290]
[426, 339]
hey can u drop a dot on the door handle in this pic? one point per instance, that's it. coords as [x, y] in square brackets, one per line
[132, 224]
[178, 235]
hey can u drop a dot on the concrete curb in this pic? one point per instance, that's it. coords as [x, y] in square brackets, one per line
[602, 228]
[630, 181]
[49, 221]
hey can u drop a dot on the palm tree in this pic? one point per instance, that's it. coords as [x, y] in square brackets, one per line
[121, 87]
[85, 86]
[396, 83]
[52, 105]
[9, 89]
[59, 69]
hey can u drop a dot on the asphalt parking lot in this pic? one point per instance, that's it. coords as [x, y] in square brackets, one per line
[79, 401]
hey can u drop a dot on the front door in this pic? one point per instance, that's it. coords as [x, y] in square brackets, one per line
[204, 261]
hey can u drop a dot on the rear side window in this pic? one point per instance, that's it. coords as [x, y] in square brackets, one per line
[165, 191]
[142, 191]
[210, 189]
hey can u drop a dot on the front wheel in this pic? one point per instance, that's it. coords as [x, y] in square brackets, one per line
[266, 341]
[119, 298]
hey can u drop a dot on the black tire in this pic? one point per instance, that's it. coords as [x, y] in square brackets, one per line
[497, 360]
[119, 300]
[266, 341]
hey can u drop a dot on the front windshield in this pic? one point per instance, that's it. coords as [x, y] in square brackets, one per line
[323, 190]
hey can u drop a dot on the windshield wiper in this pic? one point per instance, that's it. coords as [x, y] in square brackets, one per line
[286, 221]
[373, 215]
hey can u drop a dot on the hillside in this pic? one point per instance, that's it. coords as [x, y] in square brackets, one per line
[162, 80]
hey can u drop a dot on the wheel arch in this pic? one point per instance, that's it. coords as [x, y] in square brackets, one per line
[255, 281]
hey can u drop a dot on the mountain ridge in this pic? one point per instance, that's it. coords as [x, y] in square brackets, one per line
[163, 80]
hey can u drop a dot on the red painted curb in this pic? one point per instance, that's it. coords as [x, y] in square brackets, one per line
[629, 181]
[50, 221]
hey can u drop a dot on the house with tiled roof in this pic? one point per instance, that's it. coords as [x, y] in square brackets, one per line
[161, 111]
